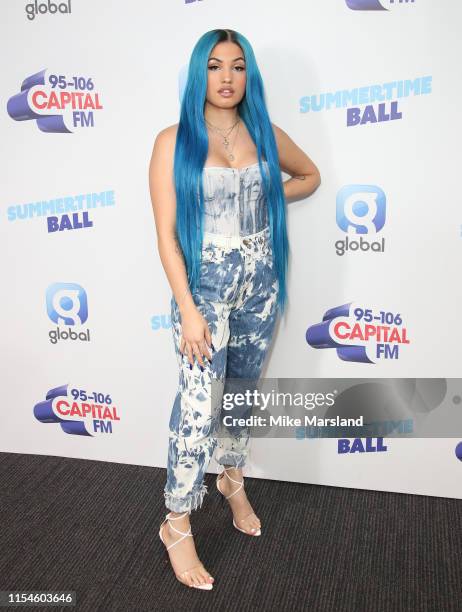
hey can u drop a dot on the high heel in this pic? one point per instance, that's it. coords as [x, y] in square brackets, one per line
[208, 585]
[223, 497]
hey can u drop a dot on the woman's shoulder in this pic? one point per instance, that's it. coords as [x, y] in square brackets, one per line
[278, 133]
[168, 133]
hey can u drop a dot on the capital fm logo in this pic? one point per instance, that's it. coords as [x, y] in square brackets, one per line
[67, 307]
[57, 102]
[66, 213]
[41, 8]
[78, 412]
[360, 213]
[359, 333]
[375, 5]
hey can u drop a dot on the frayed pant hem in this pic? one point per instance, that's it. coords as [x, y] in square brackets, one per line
[190, 502]
[237, 461]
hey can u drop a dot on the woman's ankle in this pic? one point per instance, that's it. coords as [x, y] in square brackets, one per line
[178, 518]
[233, 469]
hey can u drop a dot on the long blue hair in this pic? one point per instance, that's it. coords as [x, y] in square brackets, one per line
[191, 152]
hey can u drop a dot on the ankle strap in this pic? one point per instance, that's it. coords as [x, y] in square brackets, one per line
[174, 518]
[228, 476]
[182, 533]
[239, 482]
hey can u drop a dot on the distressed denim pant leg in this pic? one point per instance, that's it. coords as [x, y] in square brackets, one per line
[252, 320]
[237, 297]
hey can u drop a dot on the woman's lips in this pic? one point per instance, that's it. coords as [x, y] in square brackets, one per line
[226, 93]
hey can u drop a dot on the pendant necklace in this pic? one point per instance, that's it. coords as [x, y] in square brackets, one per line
[225, 137]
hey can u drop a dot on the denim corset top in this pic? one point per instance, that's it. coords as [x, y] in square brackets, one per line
[234, 202]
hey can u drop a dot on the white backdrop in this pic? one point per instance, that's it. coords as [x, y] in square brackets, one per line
[129, 59]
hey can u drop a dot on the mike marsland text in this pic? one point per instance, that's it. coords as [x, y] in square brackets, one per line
[285, 420]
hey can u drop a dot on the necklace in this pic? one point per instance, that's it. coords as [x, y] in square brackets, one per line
[225, 137]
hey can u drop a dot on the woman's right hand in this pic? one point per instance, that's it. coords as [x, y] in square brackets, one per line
[195, 336]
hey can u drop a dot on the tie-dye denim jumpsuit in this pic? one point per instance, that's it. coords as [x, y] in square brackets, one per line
[237, 297]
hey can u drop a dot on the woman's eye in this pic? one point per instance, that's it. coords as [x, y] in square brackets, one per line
[240, 68]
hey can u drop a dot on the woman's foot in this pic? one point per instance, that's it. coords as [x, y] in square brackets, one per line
[183, 555]
[243, 513]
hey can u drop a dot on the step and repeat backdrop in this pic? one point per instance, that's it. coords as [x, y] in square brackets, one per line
[369, 90]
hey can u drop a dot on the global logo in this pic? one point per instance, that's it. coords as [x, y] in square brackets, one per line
[359, 334]
[67, 306]
[35, 8]
[58, 103]
[77, 411]
[360, 211]
[374, 5]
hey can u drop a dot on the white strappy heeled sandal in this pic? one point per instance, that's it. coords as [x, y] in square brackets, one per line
[257, 532]
[208, 585]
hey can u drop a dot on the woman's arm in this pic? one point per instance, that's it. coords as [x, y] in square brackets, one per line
[163, 199]
[195, 331]
[305, 176]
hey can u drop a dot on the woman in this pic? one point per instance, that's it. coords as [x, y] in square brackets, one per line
[219, 208]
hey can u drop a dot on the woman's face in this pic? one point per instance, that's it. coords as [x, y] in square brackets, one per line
[226, 70]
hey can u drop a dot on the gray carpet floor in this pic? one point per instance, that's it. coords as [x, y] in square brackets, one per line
[92, 527]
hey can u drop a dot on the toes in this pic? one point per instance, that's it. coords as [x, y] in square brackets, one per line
[187, 579]
[247, 527]
[206, 577]
[253, 524]
[200, 577]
